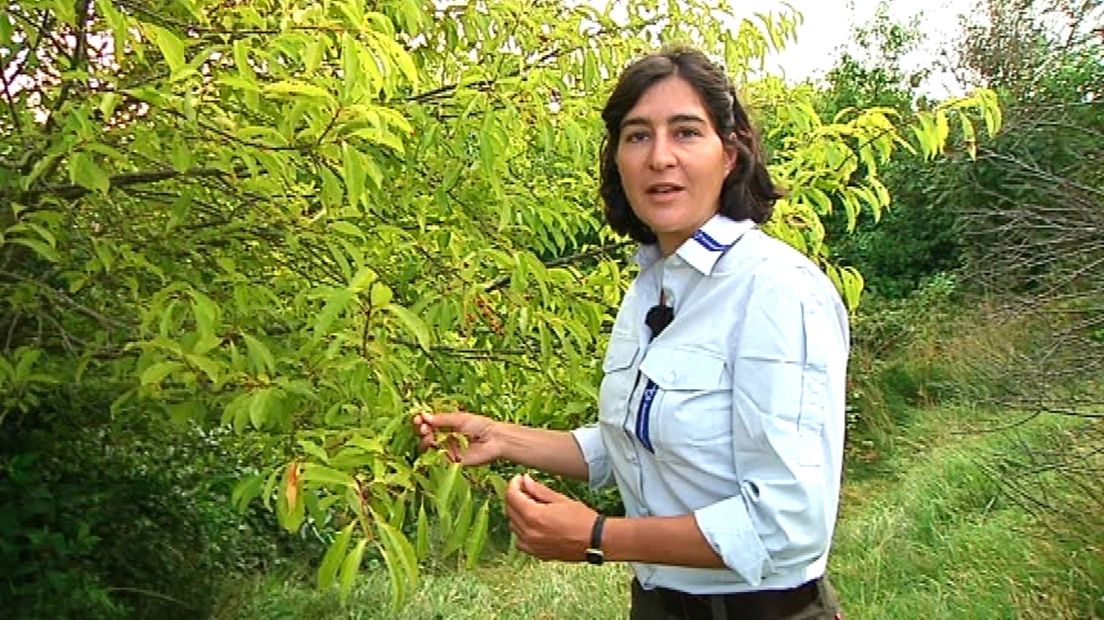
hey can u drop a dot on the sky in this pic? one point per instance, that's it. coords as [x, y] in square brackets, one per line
[828, 24]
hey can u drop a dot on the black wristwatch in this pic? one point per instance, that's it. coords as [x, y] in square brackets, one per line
[594, 553]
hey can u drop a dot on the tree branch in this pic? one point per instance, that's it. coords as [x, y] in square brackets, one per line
[76, 60]
[72, 192]
[504, 281]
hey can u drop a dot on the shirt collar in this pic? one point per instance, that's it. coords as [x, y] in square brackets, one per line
[704, 248]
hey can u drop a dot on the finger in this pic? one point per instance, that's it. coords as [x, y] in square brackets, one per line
[523, 547]
[514, 484]
[517, 500]
[515, 517]
[513, 524]
[515, 494]
[445, 421]
[540, 493]
[426, 432]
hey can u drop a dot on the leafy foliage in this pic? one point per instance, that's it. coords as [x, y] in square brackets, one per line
[128, 520]
[306, 220]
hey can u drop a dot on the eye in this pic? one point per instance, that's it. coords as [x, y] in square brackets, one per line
[687, 132]
[634, 136]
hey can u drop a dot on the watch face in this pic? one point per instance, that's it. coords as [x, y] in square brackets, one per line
[594, 556]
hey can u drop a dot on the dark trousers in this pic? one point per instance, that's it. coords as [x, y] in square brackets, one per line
[815, 600]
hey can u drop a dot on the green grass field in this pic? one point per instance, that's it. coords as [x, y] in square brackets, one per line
[925, 532]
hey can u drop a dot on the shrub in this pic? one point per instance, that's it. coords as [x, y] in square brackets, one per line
[115, 519]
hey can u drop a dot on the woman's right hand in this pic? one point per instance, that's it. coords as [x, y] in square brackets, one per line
[483, 445]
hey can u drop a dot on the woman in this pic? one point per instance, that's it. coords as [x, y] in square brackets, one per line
[721, 414]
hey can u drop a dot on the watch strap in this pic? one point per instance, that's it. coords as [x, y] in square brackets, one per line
[594, 553]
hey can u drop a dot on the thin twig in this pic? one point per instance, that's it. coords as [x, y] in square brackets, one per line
[152, 594]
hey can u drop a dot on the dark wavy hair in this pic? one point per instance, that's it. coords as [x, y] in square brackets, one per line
[747, 192]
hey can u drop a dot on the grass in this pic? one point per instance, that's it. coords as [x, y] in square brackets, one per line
[924, 533]
[511, 589]
[938, 539]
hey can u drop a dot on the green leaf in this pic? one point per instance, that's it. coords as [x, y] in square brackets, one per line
[381, 295]
[25, 363]
[969, 136]
[42, 165]
[84, 171]
[477, 537]
[350, 567]
[347, 228]
[6, 30]
[942, 128]
[181, 157]
[350, 63]
[327, 572]
[65, 11]
[352, 172]
[364, 277]
[205, 342]
[260, 407]
[442, 495]
[157, 372]
[297, 88]
[394, 574]
[269, 487]
[406, 65]
[206, 313]
[332, 191]
[42, 249]
[259, 355]
[461, 528]
[233, 411]
[210, 367]
[326, 476]
[412, 323]
[246, 490]
[421, 536]
[337, 301]
[398, 550]
[314, 450]
[172, 48]
[103, 252]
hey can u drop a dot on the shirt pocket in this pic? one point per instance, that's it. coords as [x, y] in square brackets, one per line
[619, 373]
[692, 406]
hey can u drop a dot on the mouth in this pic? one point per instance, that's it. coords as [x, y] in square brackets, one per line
[663, 189]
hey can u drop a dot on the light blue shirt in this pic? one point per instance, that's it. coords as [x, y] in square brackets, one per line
[735, 413]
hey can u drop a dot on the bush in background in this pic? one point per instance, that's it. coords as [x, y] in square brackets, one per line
[128, 519]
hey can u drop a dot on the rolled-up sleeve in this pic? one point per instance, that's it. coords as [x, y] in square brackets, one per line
[787, 419]
[589, 438]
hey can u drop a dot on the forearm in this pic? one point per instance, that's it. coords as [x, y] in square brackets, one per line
[675, 541]
[554, 452]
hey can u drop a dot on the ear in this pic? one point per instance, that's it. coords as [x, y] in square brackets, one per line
[732, 154]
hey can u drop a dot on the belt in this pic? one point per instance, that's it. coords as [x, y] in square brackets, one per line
[756, 605]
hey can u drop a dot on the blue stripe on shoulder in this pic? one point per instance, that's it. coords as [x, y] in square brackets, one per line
[709, 243]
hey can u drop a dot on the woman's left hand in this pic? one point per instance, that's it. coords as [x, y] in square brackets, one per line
[548, 525]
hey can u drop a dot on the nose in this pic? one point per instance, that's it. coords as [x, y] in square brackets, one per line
[662, 155]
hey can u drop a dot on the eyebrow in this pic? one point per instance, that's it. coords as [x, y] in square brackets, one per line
[671, 120]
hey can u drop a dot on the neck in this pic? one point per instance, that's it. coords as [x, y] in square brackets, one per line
[669, 243]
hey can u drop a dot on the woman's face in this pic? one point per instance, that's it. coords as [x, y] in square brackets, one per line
[672, 161]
